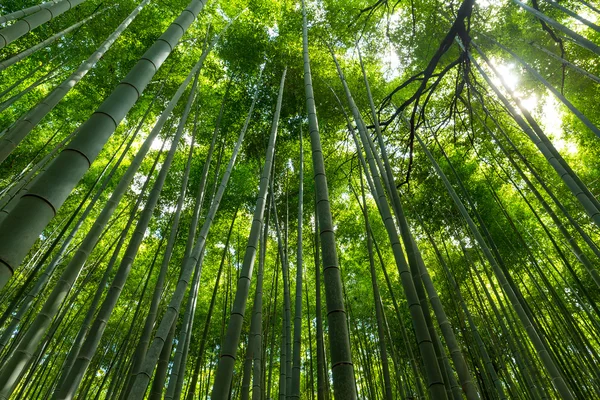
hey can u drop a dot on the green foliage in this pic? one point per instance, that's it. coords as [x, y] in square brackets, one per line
[397, 40]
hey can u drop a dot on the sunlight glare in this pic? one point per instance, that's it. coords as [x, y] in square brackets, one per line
[528, 102]
[508, 74]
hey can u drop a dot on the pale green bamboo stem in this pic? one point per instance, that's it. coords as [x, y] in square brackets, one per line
[295, 389]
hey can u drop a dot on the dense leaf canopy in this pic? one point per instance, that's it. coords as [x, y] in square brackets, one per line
[484, 124]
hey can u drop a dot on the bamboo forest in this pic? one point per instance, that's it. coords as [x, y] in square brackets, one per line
[299, 199]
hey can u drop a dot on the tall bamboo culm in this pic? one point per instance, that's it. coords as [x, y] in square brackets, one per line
[344, 384]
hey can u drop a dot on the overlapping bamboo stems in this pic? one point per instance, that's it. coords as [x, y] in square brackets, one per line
[32, 21]
[26, 11]
[322, 374]
[537, 136]
[133, 323]
[125, 361]
[43, 279]
[574, 15]
[33, 211]
[577, 38]
[92, 340]
[49, 343]
[59, 256]
[25, 77]
[16, 133]
[566, 62]
[48, 77]
[273, 331]
[191, 237]
[286, 312]
[548, 85]
[577, 251]
[144, 339]
[310, 345]
[425, 341]
[25, 323]
[500, 262]
[253, 350]
[96, 300]
[224, 373]
[25, 178]
[376, 295]
[152, 355]
[185, 337]
[258, 391]
[546, 358]
[460, 364]
[201, 349]
[593, 319]
[42, 162]
[489, 366]
[364, 379]
[556, 309]
[590, 6]
[72, 270]
[372, 189]
[24, 54]
[414, 256]
[132, 330]
[179, 362]
[408, 348]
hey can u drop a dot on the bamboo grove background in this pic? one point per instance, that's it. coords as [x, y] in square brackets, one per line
[278, 200]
